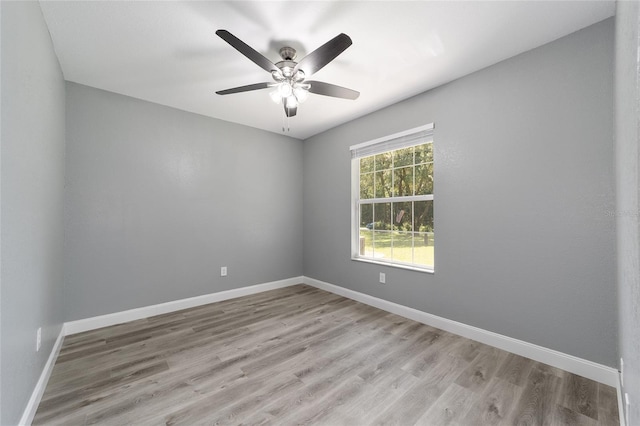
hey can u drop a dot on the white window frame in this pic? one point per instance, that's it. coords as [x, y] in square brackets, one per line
[392, 142]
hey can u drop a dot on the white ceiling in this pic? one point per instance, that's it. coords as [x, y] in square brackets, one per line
[167, 51]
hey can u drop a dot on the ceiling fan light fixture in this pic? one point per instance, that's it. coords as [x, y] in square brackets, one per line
[291, 102]
[285, 89]
[298, 76]
[300, 93]
[287, 71]
[275, 96]
[277, 76]
[290, 94]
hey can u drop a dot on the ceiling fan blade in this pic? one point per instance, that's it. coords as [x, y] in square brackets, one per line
[326, 89]
[324, 54]
[290, 112]
[247, 88]
[247, 50]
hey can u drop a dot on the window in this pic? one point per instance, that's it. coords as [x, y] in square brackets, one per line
[392, 200]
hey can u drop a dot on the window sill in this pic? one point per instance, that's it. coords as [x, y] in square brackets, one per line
[394, 265]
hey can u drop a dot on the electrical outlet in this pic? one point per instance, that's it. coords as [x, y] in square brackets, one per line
[38, 339]
[383, 278]
[223, 271]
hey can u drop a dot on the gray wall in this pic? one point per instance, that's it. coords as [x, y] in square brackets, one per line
[524, 194]
[32, 190]
[628, 188]
[158, 199]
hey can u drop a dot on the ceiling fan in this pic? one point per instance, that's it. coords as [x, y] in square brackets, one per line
[289, 76]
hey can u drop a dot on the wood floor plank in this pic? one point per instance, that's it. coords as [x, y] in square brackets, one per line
[336, 398]
[300, 355]
[70, 400]
[496, 404]
[467, 349]
[581, 395]
[538, 399]
[419, 398]
[607, 405]
[515, 369]
[324, 374]
[376, 396]
[563, 416]
[147, 401]
[482, 369]
[403, 352]
[439, 345]
[450, 407]
[241, 408]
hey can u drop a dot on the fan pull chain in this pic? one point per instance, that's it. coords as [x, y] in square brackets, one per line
[288, 129]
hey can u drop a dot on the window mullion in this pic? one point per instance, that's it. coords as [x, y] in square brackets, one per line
[408, 198]
[413, 233]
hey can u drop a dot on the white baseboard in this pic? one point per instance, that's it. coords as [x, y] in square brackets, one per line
[579, 366]
[38, 391]
[93, 323]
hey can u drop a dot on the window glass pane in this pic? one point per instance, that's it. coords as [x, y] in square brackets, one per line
[402, 246]
[424, 153]
[366, 185]
[403, 157]
[366, 164]
[382, 216]
[383, 161]
[423, 216]
[423, 239]
[403, 181]
[401, 238]
[382, 184]
[382, 245]
[366, 216]
[424, 179]
[423, 248]
[366, 230]
[382, 231]
[402, 217]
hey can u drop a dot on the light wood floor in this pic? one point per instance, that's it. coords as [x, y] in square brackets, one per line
[300, 355]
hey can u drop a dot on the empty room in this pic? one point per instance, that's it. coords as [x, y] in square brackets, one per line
[320, 212]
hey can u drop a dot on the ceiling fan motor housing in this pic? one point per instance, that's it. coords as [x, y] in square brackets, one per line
[287, 53]
[287, 65]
